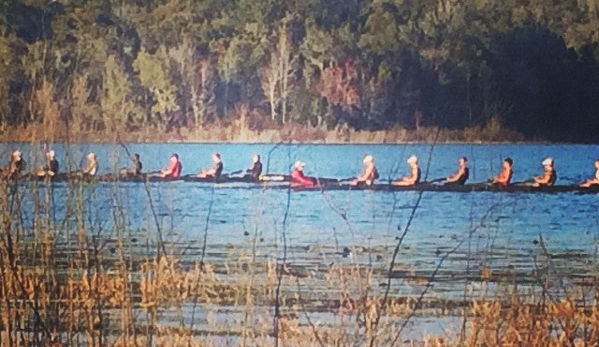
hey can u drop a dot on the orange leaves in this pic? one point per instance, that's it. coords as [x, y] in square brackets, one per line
[339, 84]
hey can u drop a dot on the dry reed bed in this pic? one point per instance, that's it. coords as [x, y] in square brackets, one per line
[239, 131]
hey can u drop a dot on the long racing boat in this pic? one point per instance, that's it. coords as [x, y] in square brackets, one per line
[273, 181]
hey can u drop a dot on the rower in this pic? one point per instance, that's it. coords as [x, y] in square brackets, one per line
[215, 171]
[137, 165]
[505, 176]
[256, 169]
[461, 176]
[414, 177]
[16, 166]
[174, 167]
[297, 175]
[594, 181]
[369, 172]
[51, 167]
[91, 167]
[549, 176]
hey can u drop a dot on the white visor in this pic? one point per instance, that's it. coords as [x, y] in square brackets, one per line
[547, 161]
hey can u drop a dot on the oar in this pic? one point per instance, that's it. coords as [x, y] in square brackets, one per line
[274, 178]
[235, 172]
[436, 180]
[325, 180]
[346, 179]
[519, 183]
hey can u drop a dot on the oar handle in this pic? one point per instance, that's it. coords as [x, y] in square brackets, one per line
[436, 180]
[345, 180]
[523, 182]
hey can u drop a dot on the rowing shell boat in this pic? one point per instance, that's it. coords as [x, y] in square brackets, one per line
[79, 177]
[322, 184]
[467, 188]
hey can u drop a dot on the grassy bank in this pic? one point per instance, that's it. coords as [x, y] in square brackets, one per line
[239, 131]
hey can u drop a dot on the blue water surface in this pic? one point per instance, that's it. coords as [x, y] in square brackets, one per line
[482, 228]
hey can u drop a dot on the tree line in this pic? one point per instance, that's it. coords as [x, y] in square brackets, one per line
[128, 65]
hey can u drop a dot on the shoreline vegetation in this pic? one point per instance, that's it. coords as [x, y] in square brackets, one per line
[239, 132]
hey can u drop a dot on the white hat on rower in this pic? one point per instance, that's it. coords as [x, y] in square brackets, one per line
[16, 153]
[412, 159]
[91, 155]
[547, 161]
[299, 164]
[368, 159]
[51, 153]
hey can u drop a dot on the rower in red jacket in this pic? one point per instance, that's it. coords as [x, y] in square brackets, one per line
[297, 175]
[173, 170]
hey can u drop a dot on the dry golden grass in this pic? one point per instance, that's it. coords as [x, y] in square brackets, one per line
[240, 130]
[162, 284]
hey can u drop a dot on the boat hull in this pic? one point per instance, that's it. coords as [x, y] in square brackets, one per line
[322, 184]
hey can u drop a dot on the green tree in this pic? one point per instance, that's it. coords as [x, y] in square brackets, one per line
[115, 100]
[153, 72]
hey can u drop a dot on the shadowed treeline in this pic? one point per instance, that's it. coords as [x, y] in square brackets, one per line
[71, 67]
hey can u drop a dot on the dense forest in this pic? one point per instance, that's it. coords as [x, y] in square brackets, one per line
[103, 66]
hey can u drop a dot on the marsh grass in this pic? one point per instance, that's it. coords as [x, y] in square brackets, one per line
[86, 287]
[241, 130]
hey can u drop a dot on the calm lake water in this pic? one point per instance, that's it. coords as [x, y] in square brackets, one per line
[499, 230]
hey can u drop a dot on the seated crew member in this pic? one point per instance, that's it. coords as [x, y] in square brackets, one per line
[298, 177]
[461, 176]
[505, 176]
[91, 167]
[256, 169]
[174, 167]
[137, 165]
[369, 172]
[215, 171]
[51, 167]
[594, 180]
[16, 166]
[549, 176]
[414, 177]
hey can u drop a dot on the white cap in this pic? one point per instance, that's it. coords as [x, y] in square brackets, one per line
[51, 153]
[547, 161]
[368, 159]
[299, 164]
[16, 153]
[412, 159]
[91, 155]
